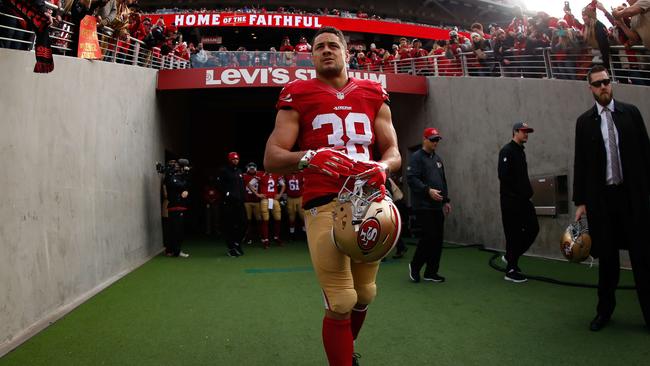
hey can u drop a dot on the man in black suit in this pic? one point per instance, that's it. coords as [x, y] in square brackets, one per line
[611, 186]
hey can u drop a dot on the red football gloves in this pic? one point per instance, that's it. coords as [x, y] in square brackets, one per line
[327, 161]
[375, 175]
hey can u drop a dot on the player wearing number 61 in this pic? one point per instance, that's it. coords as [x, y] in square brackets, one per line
[337, 123]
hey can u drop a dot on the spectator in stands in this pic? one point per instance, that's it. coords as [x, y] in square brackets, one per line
[478, 28]
[596, 36]
[223, 57]
[480, 48]
[36, 17]
[200, 57]
[303, 52]
[633, 71]
[536, 41]
[639, 14]
[563, 47]
[500, 49]
[287, 52]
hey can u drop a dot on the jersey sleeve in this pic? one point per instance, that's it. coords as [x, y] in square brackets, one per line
[288, 98]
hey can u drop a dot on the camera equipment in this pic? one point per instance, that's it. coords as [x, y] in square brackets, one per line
[174, 167]
[566, 6]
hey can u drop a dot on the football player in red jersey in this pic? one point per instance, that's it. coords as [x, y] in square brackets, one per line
[337, 122]
[269, 193]
[252, 201]
[294, 200]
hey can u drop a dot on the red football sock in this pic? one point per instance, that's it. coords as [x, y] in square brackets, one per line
[264, 230]
[337, 339]
[276, 229]
[357, 318]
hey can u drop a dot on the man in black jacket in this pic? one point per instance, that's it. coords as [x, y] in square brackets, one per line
[611, 186]
[517, 211]
[231, 185]
[430, 201]
[175, 191]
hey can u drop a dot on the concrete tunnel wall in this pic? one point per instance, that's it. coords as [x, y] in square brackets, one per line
[80, 195]
[80, 204]
[475, 117]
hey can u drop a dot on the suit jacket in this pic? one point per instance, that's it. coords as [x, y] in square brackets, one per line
[589, 180]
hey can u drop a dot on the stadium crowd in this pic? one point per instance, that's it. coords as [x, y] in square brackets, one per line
[519, 48]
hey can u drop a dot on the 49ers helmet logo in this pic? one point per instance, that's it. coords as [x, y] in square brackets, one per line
[368, 234]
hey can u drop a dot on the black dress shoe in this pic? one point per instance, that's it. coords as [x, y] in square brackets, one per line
[598, 323]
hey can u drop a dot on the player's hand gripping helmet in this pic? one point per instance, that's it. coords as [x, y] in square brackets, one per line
[366, 222]
[576, 242]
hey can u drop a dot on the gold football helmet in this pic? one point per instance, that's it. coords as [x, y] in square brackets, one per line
[576, 242]
[367, 223]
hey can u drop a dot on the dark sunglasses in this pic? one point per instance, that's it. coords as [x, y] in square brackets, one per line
[435, 139]
[598, 83]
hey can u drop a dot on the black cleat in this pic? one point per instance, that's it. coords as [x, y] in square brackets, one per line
[598, 323]
[433, 278]
[515, 276]
[415, 276]
[233, 253]
[355, 359]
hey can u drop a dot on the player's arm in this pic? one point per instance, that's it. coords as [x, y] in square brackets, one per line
[386, 139]
[283, 186]
[278, 157]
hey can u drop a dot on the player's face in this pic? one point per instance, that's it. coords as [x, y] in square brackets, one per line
[329, 55]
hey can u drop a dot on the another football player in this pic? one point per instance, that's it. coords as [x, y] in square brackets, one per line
[252, 201]
[294, 201]
[338, 123]
[269, 193]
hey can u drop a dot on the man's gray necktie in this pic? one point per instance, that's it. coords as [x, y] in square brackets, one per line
[617, 176]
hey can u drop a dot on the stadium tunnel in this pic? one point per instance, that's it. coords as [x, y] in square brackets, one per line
[203, 125]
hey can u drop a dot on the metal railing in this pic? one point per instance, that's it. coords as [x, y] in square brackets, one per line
[125, 50]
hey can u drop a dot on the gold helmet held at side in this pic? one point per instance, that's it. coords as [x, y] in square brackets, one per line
[365, 228]
[576, 242]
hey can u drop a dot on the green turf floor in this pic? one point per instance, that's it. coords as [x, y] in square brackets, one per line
[266, 309]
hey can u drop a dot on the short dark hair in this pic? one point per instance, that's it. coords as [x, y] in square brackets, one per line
[332, 30]
[595, 69]
[477, 26]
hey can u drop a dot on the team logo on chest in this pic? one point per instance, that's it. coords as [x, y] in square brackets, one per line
[340, 95]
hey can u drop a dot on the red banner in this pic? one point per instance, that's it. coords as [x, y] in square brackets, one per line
[247, 77]
[88, 41]
[300, 21]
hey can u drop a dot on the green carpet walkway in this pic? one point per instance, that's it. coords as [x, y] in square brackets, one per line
[265, 308]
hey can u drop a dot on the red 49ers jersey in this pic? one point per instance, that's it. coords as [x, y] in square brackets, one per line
[294, 185]
[249, 196]
[268, 184]
[333, 118]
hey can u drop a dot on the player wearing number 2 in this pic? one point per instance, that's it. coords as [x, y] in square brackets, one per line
[337, 122]
[270, 188]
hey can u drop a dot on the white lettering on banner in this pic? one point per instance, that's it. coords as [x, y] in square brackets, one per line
[190, 19]
[179, 20]
[277, 19]
[316, 23]
[278, 76]
[204, 19]
[287, 21]
[308, 22]
[298, 21]
[216, 19]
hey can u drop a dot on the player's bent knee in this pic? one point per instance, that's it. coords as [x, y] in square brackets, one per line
[342, 301]
[366, 293]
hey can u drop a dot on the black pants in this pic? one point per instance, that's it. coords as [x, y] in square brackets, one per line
[429, 250]
[616, 227]
[176, 230]
[234, 222]
[520, 226]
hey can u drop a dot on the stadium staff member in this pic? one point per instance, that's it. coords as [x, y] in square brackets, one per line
[313, 114]
[231, 185]
[430, 200]
[611, 185]
[517, 211]
[175, 192]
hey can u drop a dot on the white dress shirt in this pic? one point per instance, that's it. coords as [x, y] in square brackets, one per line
[605, 133]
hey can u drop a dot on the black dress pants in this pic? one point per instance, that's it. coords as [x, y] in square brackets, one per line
[176, 230]
[234, 223]
[520, 227]
[429, 249]
[613, 233]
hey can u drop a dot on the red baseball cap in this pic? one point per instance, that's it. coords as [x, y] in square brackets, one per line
[431, 132]
[233, 155]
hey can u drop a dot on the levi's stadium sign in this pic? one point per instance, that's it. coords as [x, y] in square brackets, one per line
[300, 21]
[244, 77]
